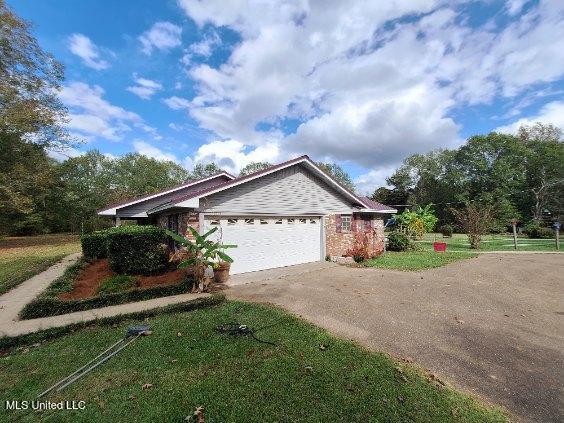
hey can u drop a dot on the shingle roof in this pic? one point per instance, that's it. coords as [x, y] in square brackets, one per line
[374, 205]
[138, 198]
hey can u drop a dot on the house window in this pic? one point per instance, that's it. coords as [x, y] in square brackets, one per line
[263, 222]
[290, 221]
[346, 223]
[214, 222]
[303, 220]
[278, 222]
[231, 222]
[249, 221]
[313, 221]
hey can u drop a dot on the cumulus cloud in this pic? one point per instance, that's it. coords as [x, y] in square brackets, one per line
[552, 112]
[89, 52]
[161, 36]
[177, 103]
[90, 115]
[232, 155]
[357, 82]
[149, 150]
[203, 48]
[144, 88]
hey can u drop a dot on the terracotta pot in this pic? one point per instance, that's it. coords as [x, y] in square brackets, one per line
[221, 272]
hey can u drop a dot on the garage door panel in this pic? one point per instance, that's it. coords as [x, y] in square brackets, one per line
[270, 245]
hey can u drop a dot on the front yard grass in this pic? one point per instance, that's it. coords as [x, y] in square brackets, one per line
[23, 257]
[185, 364]
[459, 242]
[416, 260]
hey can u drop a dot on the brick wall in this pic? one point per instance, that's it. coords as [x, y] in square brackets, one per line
[337, 243]
[184, 220]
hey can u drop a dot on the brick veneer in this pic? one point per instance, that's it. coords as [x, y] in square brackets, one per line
[337, 243]
[184, 220]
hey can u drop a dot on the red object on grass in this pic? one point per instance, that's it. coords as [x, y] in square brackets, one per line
[439, 246]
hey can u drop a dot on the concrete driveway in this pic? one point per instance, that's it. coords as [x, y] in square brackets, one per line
[492, 326]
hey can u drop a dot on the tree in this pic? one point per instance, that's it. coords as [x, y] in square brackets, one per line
[202, 170]
[254, 167]
[29, 83]
[539, 132]
[544, 169]
[476, 220]
[338, 173]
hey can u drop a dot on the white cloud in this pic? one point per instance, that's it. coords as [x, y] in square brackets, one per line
[149, 150]
[367, 86]
[162, 36]
[89, 52]
[367, 182]
[552, 112]
[232, 155]
[144, 88]
[177, 103]
[90, 115]
[203, 48]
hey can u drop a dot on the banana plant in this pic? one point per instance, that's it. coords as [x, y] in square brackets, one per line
[205, 252]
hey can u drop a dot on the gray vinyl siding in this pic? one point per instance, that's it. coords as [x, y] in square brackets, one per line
[143, 206]
[291, 191]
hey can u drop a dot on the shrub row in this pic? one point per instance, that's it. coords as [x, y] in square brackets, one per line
[398, 241]
[536, 231]
[131, 249]
[44, 306]
[10, 342]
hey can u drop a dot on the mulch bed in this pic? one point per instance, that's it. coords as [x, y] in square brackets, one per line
[91, 277]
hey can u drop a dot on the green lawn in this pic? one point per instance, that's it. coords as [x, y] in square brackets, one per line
[416, 260]
[236, 379]
[459, 242]
[23, 257]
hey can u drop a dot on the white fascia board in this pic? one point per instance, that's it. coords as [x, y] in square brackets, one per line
[112, 211]
[376, 211]
[192, 203]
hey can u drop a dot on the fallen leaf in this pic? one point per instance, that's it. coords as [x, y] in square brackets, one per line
[179, 334]
[322, 347]
[459, 320]
[401, 399]
[309, 369]
[147, 386]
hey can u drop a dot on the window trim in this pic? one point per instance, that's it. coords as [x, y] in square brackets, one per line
[346, 220]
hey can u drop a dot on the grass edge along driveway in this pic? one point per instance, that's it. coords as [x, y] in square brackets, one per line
[24, 257]
[416, 260]
[184, 364]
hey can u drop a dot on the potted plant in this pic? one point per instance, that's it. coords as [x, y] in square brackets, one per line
[205, 253]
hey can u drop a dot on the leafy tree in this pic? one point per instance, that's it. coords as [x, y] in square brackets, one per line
[135, 174]
[544, 170]
[418, 221]
[338, 173]
[29, 83]
[202, 170]
[254, 167]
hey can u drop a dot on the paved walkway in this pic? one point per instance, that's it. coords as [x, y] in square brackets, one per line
[492, 325]
[13, 301]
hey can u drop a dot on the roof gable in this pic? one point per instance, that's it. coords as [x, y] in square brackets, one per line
[111, 209]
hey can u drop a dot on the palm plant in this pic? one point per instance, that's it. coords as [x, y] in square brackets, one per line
[204, 253]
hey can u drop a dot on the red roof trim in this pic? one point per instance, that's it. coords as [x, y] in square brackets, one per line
[138, 198]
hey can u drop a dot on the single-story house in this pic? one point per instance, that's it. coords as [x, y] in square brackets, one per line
[287, 214]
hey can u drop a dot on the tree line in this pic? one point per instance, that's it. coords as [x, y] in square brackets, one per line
[515, 176]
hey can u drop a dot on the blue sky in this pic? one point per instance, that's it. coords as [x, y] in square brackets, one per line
[362, 83]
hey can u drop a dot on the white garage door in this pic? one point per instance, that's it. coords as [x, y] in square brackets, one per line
[266, 243]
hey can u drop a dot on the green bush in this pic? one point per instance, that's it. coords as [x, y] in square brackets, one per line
[117, 283]
[446, 230]
[536, 231]
[398, 241]
[134, 250]
[44, 306]
[96, 223]
[95, 245]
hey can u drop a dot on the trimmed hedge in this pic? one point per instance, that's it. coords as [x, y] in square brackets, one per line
[10, 342]
[536, 231]
[135, 250]
[95, 245]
